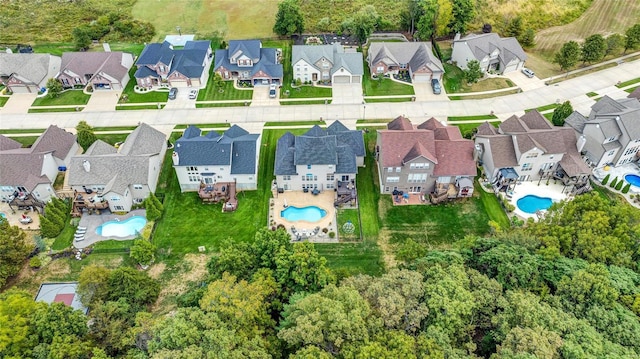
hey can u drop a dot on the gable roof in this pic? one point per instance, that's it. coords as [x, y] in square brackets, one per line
[56, 140]
[414, 54]
[611, 117]
[442, 145]
[7, 143]
[267, 59]
[188, 61]
[115, 64]
[117, 170]
[482, 45]
[249, 48]
[635, 94]
[334, 53]
[155, 53]
[236, 147]
[337, 146]
[30, 68]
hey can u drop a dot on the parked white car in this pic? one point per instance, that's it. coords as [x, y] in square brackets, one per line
[528, 72]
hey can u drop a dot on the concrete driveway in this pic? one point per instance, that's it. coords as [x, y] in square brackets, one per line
[261, 97]
[346, 94]
[525, 83]
[18, 103]
[102, 100]
[182, 99]
[424, 92]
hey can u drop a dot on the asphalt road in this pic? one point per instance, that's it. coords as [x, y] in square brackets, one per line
[602, 82]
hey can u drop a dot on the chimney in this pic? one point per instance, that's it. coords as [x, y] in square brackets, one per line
[581, 142]
[86, 165]
[175, 158]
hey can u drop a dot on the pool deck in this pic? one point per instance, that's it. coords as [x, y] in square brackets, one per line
[299, 199]
[552, 190]
[13, 217]
[93, 221]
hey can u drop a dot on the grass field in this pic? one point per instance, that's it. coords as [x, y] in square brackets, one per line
[471, 118]
[385, 87]
[210, 93]
[454, 82]
[602, 17]
[70, 97]
[3, 100]
[234, 19]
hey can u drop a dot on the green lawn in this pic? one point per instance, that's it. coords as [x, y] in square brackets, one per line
[345, 216]
[139, 107]
[493, 207]
[134, 97]
[347, 259]
[466, 129]
[453, 79]
[631, 89]
[232, 104]
[295, 123]
[395, 99]
[3, 100]
[592, 94]
[25, 140]
[454, 82]
[65, 109]
[112, 138]
[69, 97]
[550, 106]
[15, 131]
[228, 92]
[114, 128]
[384, 87]
[627, 83]
[308, 102]
[64, 239]
[471, 118]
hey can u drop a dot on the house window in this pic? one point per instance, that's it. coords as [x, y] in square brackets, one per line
[345, 178]
[380, 69]
[398, 169]
[527, 167]
[309, 178]
[308, 167]
[532, 155]
[611, 153]
[330, 177]
[330, 186]
[611, 139]
[417, 177]
[418, 166]
[208, 180]
[118, 208]
[386, 189]
[192, 169]
[286, 178]
[393, 179]
[390, 169]
[114, 198]
[137, 186]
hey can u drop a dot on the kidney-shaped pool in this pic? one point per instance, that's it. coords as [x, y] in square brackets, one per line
[128, 227]
[531, 204]
[309, 214]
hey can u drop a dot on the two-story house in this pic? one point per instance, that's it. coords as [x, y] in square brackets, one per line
[28, 174]
[228, 157]
[494, 53]
[319, 159]
[101, 70]
[186, 67]
[122, 176]
[247, 60]
[529, 148]
[416, 58]
[427, 159]
[27, 73]
[611, 133]
[326, 63]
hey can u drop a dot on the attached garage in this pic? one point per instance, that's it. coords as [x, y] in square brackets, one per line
[23, 89]
[356, 79]
[195, 82]
[342, 79]
[421, 77]
[179, 83]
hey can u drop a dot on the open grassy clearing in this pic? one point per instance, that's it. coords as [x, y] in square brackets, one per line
[69, 97]
[602, 17]
[344, 216]
[492, 206]
[235, 19]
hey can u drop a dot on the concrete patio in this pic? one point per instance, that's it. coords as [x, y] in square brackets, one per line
[92, 222]
[323, 200]
[553, 190]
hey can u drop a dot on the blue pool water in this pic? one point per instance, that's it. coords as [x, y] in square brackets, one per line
[128, 227]
[309, 214]
[633, 179]
[532, 204]
[3, 215]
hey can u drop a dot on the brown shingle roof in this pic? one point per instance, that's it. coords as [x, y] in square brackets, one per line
[395, 145]
[55, 139]
[501, 150]
[486, 129]
[572, 162]
[535, 121]
[455, 158]
[430, 124]
[7, 143]
[513, 125]
[400, 123]
[635, 94]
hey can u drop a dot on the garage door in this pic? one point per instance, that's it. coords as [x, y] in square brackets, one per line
[342, 79]
[179, 83]
[512, 67]
[421, 77]
[195, 82]
[356, 79]
[21, 89]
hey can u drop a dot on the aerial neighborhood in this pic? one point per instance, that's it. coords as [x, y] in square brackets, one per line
[326, 179]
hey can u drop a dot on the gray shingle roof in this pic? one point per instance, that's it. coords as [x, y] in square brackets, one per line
[486, 129]
[266, 56]
[84, 63]
[33, 68]
[351, 61]
[100, 148]
[484, 44]
[55, 139]
[7, 143]
[235, 147]
[187, 61]
[575, 121]
[335, 146]
[415, 54]
[144, 140]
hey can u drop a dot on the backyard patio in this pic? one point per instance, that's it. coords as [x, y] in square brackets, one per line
[92, 221]
[555, 191]
[305, 229]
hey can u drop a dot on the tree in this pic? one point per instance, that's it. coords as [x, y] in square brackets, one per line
[54, 88]
[364, 22]
[615, 43]
[561, 112]
[136, 287]
[85, 134]
[289, 19]
[632, 39]
[514, 27]
[614, 182]
[528, 38]
[463, 13]
[82, 37]
[411, 15]
[568, 55]
[153, 207]
[538, 342]
[110, 324]
[594, 48]
[473, 73]
[444, 17]
[16, 309]
[302, 269]
[57, 320]
[605, 179]
[427, 22]
[143, 251]
[587, 287]
[330, 319]
[13, 250]
[93, 284]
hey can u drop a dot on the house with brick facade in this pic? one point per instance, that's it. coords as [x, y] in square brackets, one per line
[186, 67]
[416, 58]
[248, 61]
[27, 73]
[100, 70]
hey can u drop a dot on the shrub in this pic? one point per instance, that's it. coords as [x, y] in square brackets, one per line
[605, 180]
[35, 262]
[619, 185]
[614, 183]
[626, 188]
[332, 234]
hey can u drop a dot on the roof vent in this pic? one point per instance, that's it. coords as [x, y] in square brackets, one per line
[86, 165]
[617, 118]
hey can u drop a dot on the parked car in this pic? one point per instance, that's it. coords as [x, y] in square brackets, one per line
[272, 91]
[193, 94]
[435, 85]
[528, 72]
[173, 93]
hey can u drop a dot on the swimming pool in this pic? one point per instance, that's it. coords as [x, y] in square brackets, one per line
[532, 204]
[128, 227]
[633, 179]
[309, 214]
[3, 215]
